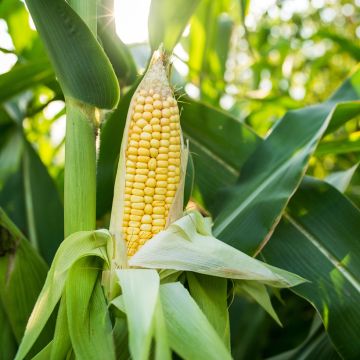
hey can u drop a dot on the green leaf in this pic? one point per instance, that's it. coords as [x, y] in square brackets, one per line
[270, 176]
[167, 21]
[190, 333]
[216, 137]
[24, 76]
[8, 343]
[83, 69]
[73, 248]
[319, 240]
[22, 274]
[210, 293]
[88, 318]
[186, 245]
[343, 146]
[259, 293]
[140, 292]
[162, 347]
[341, 179]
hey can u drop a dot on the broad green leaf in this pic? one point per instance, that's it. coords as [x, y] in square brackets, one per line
[316, 346]
[88, 319]
[167, 21]
[210, 293]
[186, 246]
[341, 179]
[259, 293]
[24, 76]
[140, 292]
[8, 344]
[190, 333]
[336, 147]
[83, 69]
[120, 333]
[22, 274]
[73, 248]
[214, 136]
[45, 353]
[271, 175]
[319, 240]
[61, 344]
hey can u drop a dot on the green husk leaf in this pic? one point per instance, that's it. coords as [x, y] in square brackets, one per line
[259, 293]
[140, 292]
[88, 318]
[45, 353]
[187, 245]
[190, 333]
[162, 347]
[73, 248]
[210, 293]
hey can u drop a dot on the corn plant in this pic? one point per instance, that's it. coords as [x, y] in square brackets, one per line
[194, 196]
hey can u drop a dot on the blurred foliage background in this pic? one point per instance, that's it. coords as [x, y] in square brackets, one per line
[255, 59]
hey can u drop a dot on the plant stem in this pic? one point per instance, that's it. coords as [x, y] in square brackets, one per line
[80, 149]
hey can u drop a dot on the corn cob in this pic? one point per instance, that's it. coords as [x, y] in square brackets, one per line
[153, 158]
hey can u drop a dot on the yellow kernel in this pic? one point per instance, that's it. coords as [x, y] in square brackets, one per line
[145, 235]
[148, 199]
[154, 121]
[145, 227]
[153, 152]
[136, 129]
[174, 133]
[140, 100]
[174, 161]
[147, 115]
[170, 193]
[162, 157]
[137, 212]
[160, 202]
[169, 200]
[151, 182]
[159, 222]
[162, 164]
[157, 113]
[143, 159]
[149, 100]
[142, 171]
[127, 196]
[129, 177]
[135, 218]
[134, 224]
[143, 152]
[171, 186]
[166, 129]
[173, 154]
[144, 143]
[175, 140]
[139, 108]
[148, 209]
[156, 96]
[161, 184]
[132, 230]
[174, 126]
[137, 116]
[136, 199]
[132, 158]
[159, 210]
[128, 190]
[161, 177]
[148, 128]
[127, 204]
[161, 170]
[160, 191]
[164, 143]
[141, 165]
[137, 192]
[166, 104]
[149, 191]
[165, 136]
[140, 178]
[165, 113]
[174, 118]
[127, 210]
[148, 107]
[174, 147]
[135, 136]
[156, 229]
[172, 168]
[146, 219]
[156, 127]
[156, 135]
[132, 150]
[164, 121]
[152, 164]
[143, 92]
[145, 136]
[138, 206]
[141, 123]
[152, 174]
[157, 104]
[163, 150]
[154, 143]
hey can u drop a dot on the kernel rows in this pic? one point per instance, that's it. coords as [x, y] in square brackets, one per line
[152, 167]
